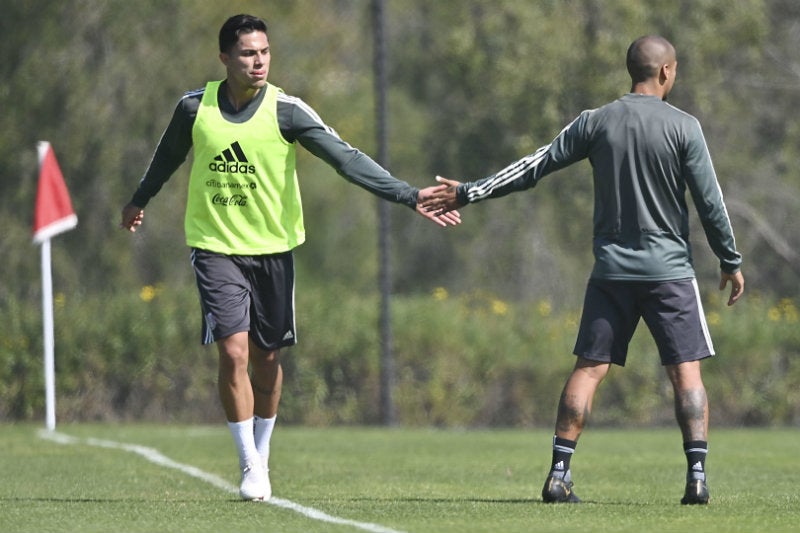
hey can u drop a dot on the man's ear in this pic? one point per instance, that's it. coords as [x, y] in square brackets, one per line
[665, 73]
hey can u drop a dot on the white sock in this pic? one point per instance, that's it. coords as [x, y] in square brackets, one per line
[263, 433]
[242, 433]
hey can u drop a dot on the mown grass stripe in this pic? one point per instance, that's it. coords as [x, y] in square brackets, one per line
[156, 457]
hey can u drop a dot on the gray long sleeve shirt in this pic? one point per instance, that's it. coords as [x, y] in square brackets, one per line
[298, 122]
[644, 154]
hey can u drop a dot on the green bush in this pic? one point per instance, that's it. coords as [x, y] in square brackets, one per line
[469, 360]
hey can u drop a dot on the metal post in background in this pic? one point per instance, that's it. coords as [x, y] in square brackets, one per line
[384, 221]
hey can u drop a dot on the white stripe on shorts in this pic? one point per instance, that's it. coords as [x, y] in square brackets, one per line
[703, 323]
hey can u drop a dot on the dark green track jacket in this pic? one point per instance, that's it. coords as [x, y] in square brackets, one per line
[298, 122]
[645, 154]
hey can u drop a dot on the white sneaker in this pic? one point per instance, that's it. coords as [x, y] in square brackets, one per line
[255, 482]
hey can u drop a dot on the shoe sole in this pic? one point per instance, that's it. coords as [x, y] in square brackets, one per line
[692, 501]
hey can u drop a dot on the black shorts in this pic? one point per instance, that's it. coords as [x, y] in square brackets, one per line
[671, 309]
[246, 293]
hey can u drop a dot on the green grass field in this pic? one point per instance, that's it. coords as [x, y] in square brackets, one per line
[373, 479]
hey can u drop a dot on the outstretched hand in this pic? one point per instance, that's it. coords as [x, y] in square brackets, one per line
[131, 217]
[441, 199]
[737, 285]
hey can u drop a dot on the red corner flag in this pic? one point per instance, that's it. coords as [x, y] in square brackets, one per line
[54, 213]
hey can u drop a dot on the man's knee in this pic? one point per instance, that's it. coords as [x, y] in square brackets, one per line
[233, 351]
[685, 375]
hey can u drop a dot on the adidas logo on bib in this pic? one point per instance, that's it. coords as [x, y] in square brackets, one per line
[232, 160]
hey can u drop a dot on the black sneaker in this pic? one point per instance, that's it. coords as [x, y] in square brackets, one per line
[696, 493]
[556, 490]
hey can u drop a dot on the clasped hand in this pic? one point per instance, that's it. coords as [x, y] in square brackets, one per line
[439, 204]
[440, 200]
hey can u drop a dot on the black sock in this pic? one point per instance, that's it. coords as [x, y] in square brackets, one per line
[696, 451]
[562, 453]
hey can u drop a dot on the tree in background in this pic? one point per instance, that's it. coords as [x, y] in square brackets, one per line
[498, 81]
[473, 85]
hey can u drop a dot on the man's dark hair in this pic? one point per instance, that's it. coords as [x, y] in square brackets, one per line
[235, 26]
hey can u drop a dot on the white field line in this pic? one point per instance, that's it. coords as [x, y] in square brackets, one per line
[154, 456]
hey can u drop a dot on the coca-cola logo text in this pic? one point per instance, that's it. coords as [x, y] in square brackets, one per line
[229, 201]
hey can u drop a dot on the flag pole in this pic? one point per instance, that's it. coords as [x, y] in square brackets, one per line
[53, 214]
[49, 338]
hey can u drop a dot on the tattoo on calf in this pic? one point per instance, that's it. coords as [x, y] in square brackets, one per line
[571, 414]
[690, 409]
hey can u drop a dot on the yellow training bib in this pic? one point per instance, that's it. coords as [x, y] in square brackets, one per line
[244, 197]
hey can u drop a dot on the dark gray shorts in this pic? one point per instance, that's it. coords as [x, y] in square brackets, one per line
[671, 309]
[246, 293]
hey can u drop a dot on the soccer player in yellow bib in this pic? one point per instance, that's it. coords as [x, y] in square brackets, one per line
[244, 218]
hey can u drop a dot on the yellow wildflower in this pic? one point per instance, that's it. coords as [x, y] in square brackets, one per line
[545, 308]
[499, 307]
[147, 293]
[789, 309]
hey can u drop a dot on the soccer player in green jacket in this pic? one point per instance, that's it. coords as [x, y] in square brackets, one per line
[645, 154]
[244, 218]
